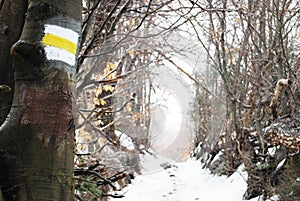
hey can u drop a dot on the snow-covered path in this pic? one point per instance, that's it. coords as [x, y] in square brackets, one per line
[185, 181]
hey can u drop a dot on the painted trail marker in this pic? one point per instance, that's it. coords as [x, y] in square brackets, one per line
[60, 44]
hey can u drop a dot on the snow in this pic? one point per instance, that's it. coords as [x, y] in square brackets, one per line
[125, 140]
[186, 181]
[280, 165]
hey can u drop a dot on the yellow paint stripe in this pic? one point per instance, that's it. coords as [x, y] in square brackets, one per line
[59, 42]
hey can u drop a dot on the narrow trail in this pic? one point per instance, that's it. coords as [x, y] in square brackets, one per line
[185, 181]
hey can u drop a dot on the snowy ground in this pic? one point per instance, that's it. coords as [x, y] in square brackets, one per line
[186, 181]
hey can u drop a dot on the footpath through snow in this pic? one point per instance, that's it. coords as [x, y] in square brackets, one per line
[186, 181]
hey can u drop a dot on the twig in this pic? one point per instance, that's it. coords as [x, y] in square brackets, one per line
[113, 196]
[85, 172]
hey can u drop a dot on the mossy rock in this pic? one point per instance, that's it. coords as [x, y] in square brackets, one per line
[289, 180]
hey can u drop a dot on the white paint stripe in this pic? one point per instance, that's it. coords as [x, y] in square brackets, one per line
[62, 32]
[54, 53]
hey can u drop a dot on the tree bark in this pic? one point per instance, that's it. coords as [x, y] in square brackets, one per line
[12, 15]
[37, 139]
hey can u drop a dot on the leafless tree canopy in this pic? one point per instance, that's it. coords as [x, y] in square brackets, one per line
[247, 93]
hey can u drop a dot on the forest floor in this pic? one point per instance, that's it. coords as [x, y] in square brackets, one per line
[186, 181]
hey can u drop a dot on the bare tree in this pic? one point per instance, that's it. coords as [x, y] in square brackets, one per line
[252, 46]
[37, 138]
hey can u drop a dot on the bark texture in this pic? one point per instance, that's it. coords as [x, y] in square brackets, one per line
[12, 15]
[37, 139]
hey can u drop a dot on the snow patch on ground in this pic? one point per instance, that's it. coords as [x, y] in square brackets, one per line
[186, 181]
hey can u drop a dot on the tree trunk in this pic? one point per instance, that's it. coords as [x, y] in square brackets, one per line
[37, 139]
[12, 15]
